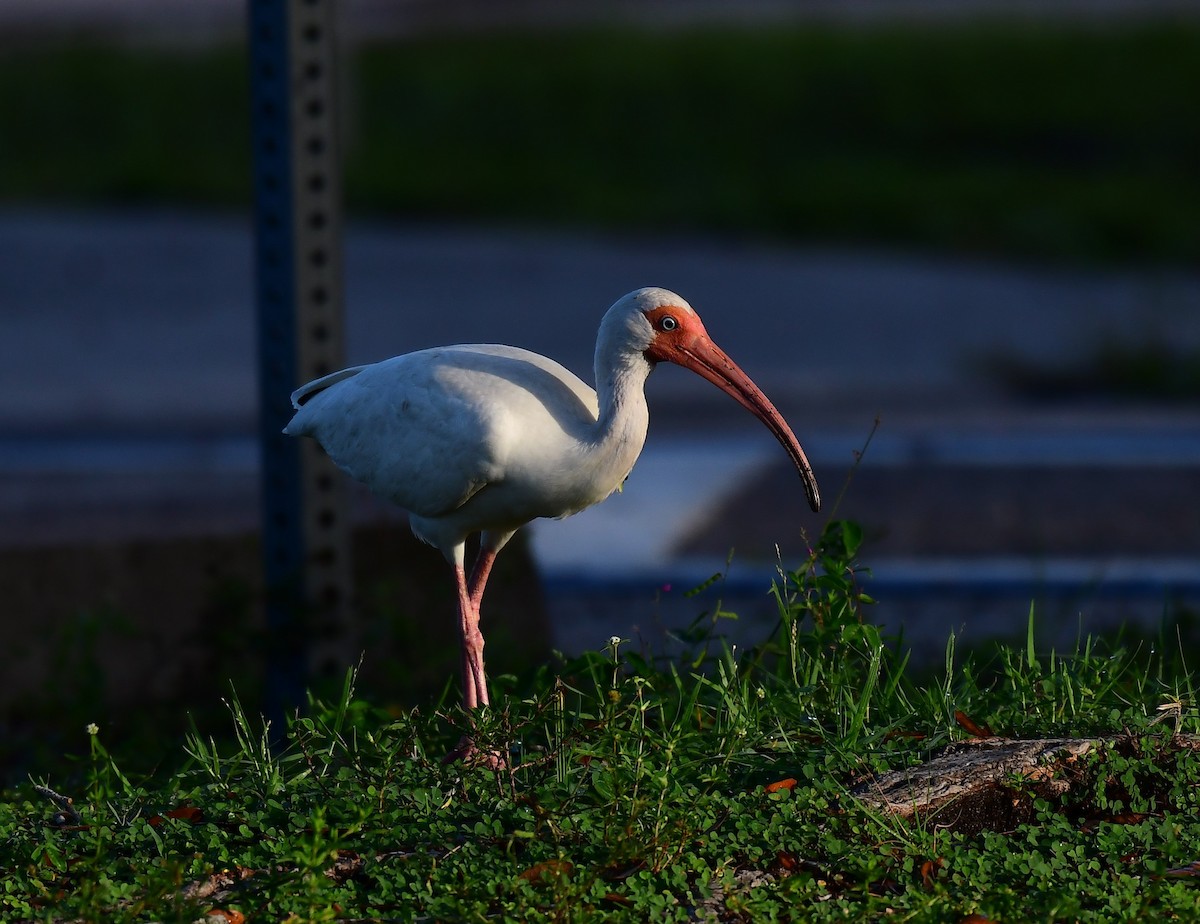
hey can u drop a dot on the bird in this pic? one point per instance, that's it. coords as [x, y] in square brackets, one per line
[484, 438]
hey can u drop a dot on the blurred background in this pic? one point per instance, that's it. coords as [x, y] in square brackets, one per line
[956, 243]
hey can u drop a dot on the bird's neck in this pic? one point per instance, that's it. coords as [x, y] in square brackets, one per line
[621, 393]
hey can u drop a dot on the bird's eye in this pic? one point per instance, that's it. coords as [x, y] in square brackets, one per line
[668, 323]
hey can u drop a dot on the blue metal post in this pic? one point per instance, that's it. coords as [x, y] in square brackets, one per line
[298, 258]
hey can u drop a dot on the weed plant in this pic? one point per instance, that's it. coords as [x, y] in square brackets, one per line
[715, 787]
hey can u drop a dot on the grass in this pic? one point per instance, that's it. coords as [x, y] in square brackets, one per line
[1053, 141]
[720, 784]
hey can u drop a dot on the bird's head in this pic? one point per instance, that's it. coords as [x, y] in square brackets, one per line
[671, 331]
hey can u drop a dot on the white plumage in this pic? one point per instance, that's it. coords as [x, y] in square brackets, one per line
[484, 438]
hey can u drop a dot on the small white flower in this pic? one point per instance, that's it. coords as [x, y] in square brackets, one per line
[614, 641]
[760, 693]
[93, 728]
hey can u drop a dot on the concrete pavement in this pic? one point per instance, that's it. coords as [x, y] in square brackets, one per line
[129, 321]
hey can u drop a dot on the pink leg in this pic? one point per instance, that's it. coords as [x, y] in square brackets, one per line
[470, 595]
[475, 691]
[471, 646]
[479, 575]
[471, 654]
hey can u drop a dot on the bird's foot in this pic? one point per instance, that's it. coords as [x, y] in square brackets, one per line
[470, 754]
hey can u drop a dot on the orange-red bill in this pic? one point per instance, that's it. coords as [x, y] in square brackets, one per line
[694, 350]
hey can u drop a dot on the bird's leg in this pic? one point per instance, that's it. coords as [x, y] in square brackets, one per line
[475, 691]
[479, 574]
[470, 596]
[490, 544]
[468, 629]
[468, 620]
[472, 636]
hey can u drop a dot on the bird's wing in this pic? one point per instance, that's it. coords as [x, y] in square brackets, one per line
[302, 394]
[431, 429]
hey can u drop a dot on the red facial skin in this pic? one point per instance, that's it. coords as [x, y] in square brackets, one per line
[680, 338]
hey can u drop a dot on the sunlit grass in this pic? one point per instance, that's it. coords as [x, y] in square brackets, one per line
[642, 790]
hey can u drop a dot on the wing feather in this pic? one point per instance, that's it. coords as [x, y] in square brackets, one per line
[431, 429]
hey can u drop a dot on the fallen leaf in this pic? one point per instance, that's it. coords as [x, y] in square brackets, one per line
[929, 872]
[224, 916]
[1129, 818]
[971, 726]
[547, 869]
[623, 872]
[1121, 818]
[789, 783]
[187, 813]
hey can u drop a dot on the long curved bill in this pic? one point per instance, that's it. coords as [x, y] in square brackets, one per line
[706, 359]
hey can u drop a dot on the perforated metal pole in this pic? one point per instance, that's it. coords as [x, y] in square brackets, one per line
[297, 182]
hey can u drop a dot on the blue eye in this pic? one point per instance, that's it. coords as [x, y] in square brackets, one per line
[668, 323]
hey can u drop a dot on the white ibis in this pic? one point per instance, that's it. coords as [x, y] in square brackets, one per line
[482, 438]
